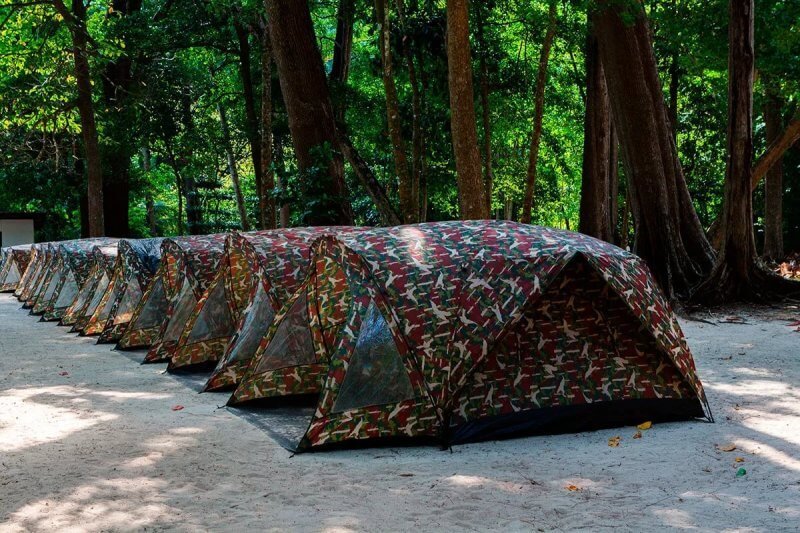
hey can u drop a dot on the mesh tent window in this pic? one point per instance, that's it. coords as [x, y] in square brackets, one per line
[106, 311]
[12, 276]
[255, 326]
[102, 287]
[155, 309]
[132, 296]
[375, 374]
[183, 307]
[292, 343]
[51, 288]
[69, 291]
[214, 320]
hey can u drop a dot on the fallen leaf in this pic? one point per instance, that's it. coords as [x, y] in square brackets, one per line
[177, 407]
[741, 472]
[726, 447]
[572, 488]
[739, 459]
[614, 441]
[637, 435]
[645, 425]
[65, 373]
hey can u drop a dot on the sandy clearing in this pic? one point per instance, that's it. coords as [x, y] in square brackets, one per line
[101, 449]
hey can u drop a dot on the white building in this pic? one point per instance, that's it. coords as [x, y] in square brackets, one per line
[18, 228]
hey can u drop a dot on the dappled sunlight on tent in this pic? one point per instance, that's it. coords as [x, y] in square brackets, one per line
[42, 423]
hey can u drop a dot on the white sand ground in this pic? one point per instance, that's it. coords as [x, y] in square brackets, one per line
[101, 449]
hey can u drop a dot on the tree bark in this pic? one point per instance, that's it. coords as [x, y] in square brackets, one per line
[232, 170]
[669, 235]
[251, 117]
[598, 183]
[776, 150]
[408, 209]
[472, 198]
[91, 145]
[736, 275]
[773, 184]
[311, 120]
[538, 113]
[266, 202]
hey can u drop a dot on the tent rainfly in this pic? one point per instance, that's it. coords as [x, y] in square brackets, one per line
[464, 331]
[39, 290]
[32, 273]
[137, 261]
[190, 266]
[270, 266]
[88, 300]
[72, 265]
[14, 267]
[247, 256]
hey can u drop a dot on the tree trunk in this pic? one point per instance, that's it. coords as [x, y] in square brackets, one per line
[773, 184]
[251, 117]
[776, 150]
[598, 183]
[311, 120]
[488, 175]
[232, 170]
[150, 206]
[668, 232]
[408, 209]
[736, 275]
[91, 145]
[368, 180]
[283, 212]
[472, 198]
[266, 202]
[342, 50]
[536, 135]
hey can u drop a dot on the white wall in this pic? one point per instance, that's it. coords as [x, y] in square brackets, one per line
[16, 232]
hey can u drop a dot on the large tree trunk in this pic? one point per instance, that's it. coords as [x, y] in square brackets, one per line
[251, 117]
[773, 185]
[91, 146]
[408, 209]
[311, 120]
[538, 113]
[232, 170]
[598, 183]
[669, 235]
[736, 275]
[776, 150]
[266, 202]
[472, 198]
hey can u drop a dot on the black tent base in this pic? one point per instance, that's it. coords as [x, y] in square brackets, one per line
[577, 418]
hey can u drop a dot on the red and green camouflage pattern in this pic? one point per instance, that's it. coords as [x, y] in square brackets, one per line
[74, 260]
[139, 261]
[489, 321]
[149, 315]
[191, 264]
[15, 267]
[38, 284]
[278, 260]
[32, 273]
[101, 260]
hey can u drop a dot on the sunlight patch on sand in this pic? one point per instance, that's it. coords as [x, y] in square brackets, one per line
[25, 422]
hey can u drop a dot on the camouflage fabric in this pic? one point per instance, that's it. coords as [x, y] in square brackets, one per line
[454, 329]
[137, 260]
[15, 267]
[38, 284]
[278, 261]
[191, 264]
[101, 261]
[34, 268]
[140, 260]
[73, 263]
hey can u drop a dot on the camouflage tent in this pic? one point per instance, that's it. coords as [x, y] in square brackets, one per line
[462, 331]
[101, 261]
[71, 268]
[14, 267]
[277, 259]
[32, 273]
[39, 289]
[136, 263]
[190, 265]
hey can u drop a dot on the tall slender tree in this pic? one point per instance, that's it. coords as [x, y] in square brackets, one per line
[773, 184]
